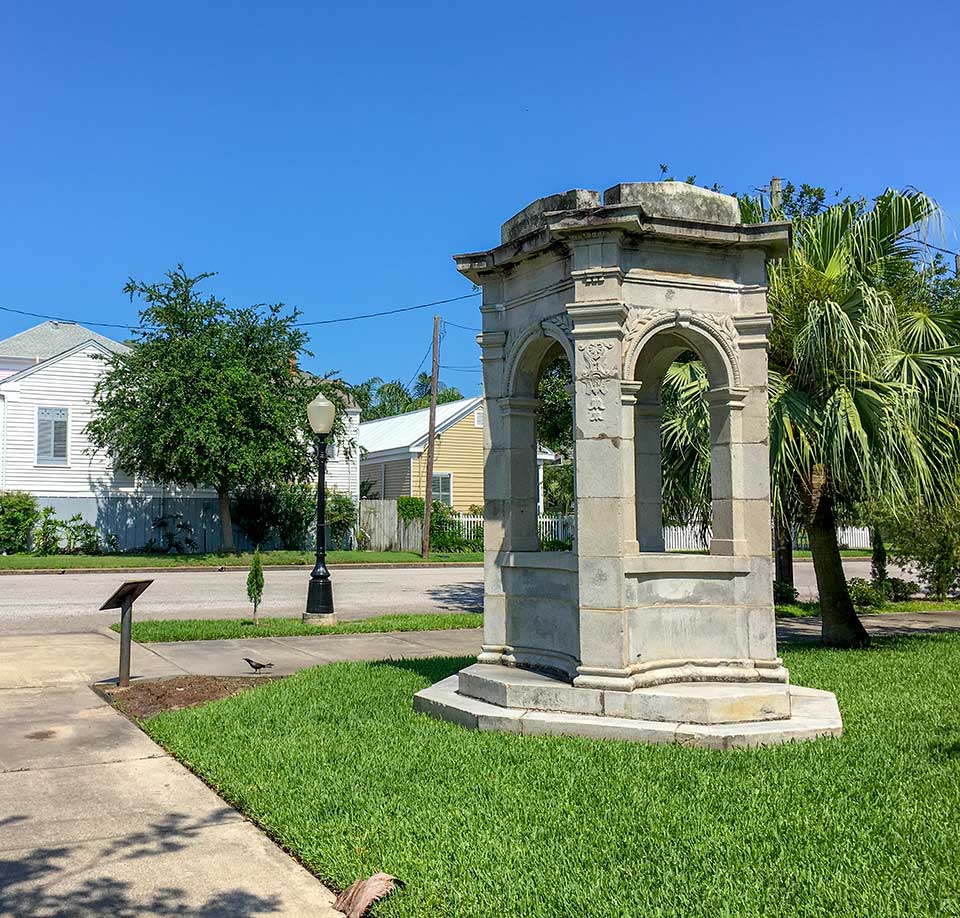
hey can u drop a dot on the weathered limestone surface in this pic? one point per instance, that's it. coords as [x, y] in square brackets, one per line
[617, 631]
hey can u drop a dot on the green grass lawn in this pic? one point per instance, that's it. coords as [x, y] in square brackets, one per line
[217, 629]
[335, 765]
[220, 559]
[802, 609]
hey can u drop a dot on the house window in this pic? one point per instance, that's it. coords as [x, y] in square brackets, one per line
[52, 427]
[478, 418]
[443, 488]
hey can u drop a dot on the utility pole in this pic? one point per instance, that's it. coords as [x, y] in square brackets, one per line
[428, 484]
[776, 195]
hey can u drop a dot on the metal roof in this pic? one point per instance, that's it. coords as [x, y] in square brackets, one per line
[51, 338]
[408, 431]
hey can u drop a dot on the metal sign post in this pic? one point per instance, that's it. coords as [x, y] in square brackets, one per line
[122, 599]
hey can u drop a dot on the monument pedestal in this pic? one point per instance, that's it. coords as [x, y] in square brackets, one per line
[714, 715]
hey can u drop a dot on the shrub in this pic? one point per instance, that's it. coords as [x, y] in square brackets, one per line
[556, 545]
[410, 508]
[896, 589]
[863, 594]
[445, 531]
[18, 513]
[174, 535]
[784, 593]
[341, 518]
[46, 537]
[82, 538]
[296, 509]
[928, 542]
[255, 512]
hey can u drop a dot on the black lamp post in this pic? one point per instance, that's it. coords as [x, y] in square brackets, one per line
[320, 593]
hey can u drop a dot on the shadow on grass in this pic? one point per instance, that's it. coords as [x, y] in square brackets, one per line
[83, 879]
[432, 668]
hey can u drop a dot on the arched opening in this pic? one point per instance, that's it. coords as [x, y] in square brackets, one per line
[538, 419]
[684, 458]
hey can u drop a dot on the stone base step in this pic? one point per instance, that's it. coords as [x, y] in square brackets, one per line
[814, 714]
[683, 702]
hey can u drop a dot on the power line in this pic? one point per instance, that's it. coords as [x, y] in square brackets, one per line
[40, 315]
[423, 360]
[444, 366]
[366, 315]
[389, 312]
[464, 327]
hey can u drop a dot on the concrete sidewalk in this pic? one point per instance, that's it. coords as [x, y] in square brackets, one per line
[97, 820]
[291, 654]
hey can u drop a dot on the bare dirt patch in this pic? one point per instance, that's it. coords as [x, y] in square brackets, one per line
[144, 699]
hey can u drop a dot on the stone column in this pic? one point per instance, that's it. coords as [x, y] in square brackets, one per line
[647, 417]
[600, 489]
[628, 454]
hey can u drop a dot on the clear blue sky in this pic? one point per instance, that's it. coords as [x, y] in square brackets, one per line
[334, 156]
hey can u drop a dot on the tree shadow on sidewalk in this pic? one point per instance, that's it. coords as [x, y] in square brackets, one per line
[84, 879]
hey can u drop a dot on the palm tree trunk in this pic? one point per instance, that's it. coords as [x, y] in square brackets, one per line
[840, 626]
[226, 521]
[783, 553]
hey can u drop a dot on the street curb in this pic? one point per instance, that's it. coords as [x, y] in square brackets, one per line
[226, 568]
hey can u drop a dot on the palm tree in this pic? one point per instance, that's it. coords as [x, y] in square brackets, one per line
[864, 385]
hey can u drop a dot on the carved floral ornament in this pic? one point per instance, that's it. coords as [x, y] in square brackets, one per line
[596, 376]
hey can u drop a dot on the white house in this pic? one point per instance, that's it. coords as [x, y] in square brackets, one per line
[47, 379]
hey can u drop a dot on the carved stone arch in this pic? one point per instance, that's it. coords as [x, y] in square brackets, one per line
[713, 337]
[522, 361]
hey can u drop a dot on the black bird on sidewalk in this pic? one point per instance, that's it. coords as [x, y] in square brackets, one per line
[255, 666]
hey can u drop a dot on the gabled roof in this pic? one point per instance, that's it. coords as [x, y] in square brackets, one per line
[43, 364]
[52, 338]
[409, 431]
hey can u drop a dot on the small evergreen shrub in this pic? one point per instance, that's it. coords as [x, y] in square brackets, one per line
[255, 583]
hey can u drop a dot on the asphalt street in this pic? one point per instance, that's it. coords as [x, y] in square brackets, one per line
[31, 603]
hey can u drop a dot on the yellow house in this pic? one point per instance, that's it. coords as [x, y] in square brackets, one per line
[393, 460]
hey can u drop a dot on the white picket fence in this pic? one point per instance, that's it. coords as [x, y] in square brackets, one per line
[690, 538]
[385, 531]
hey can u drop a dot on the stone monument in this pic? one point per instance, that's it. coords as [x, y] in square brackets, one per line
[619, 638]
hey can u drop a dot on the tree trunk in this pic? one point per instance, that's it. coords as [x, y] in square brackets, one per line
[840, 626]
[226, 521]
[783, 553]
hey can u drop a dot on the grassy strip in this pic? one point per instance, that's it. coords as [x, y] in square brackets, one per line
[220, 629]
[334, 763]
[804, 609]
[27, 562]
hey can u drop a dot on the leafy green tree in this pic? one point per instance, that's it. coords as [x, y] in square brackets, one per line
[255, 583]
[209, 395]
